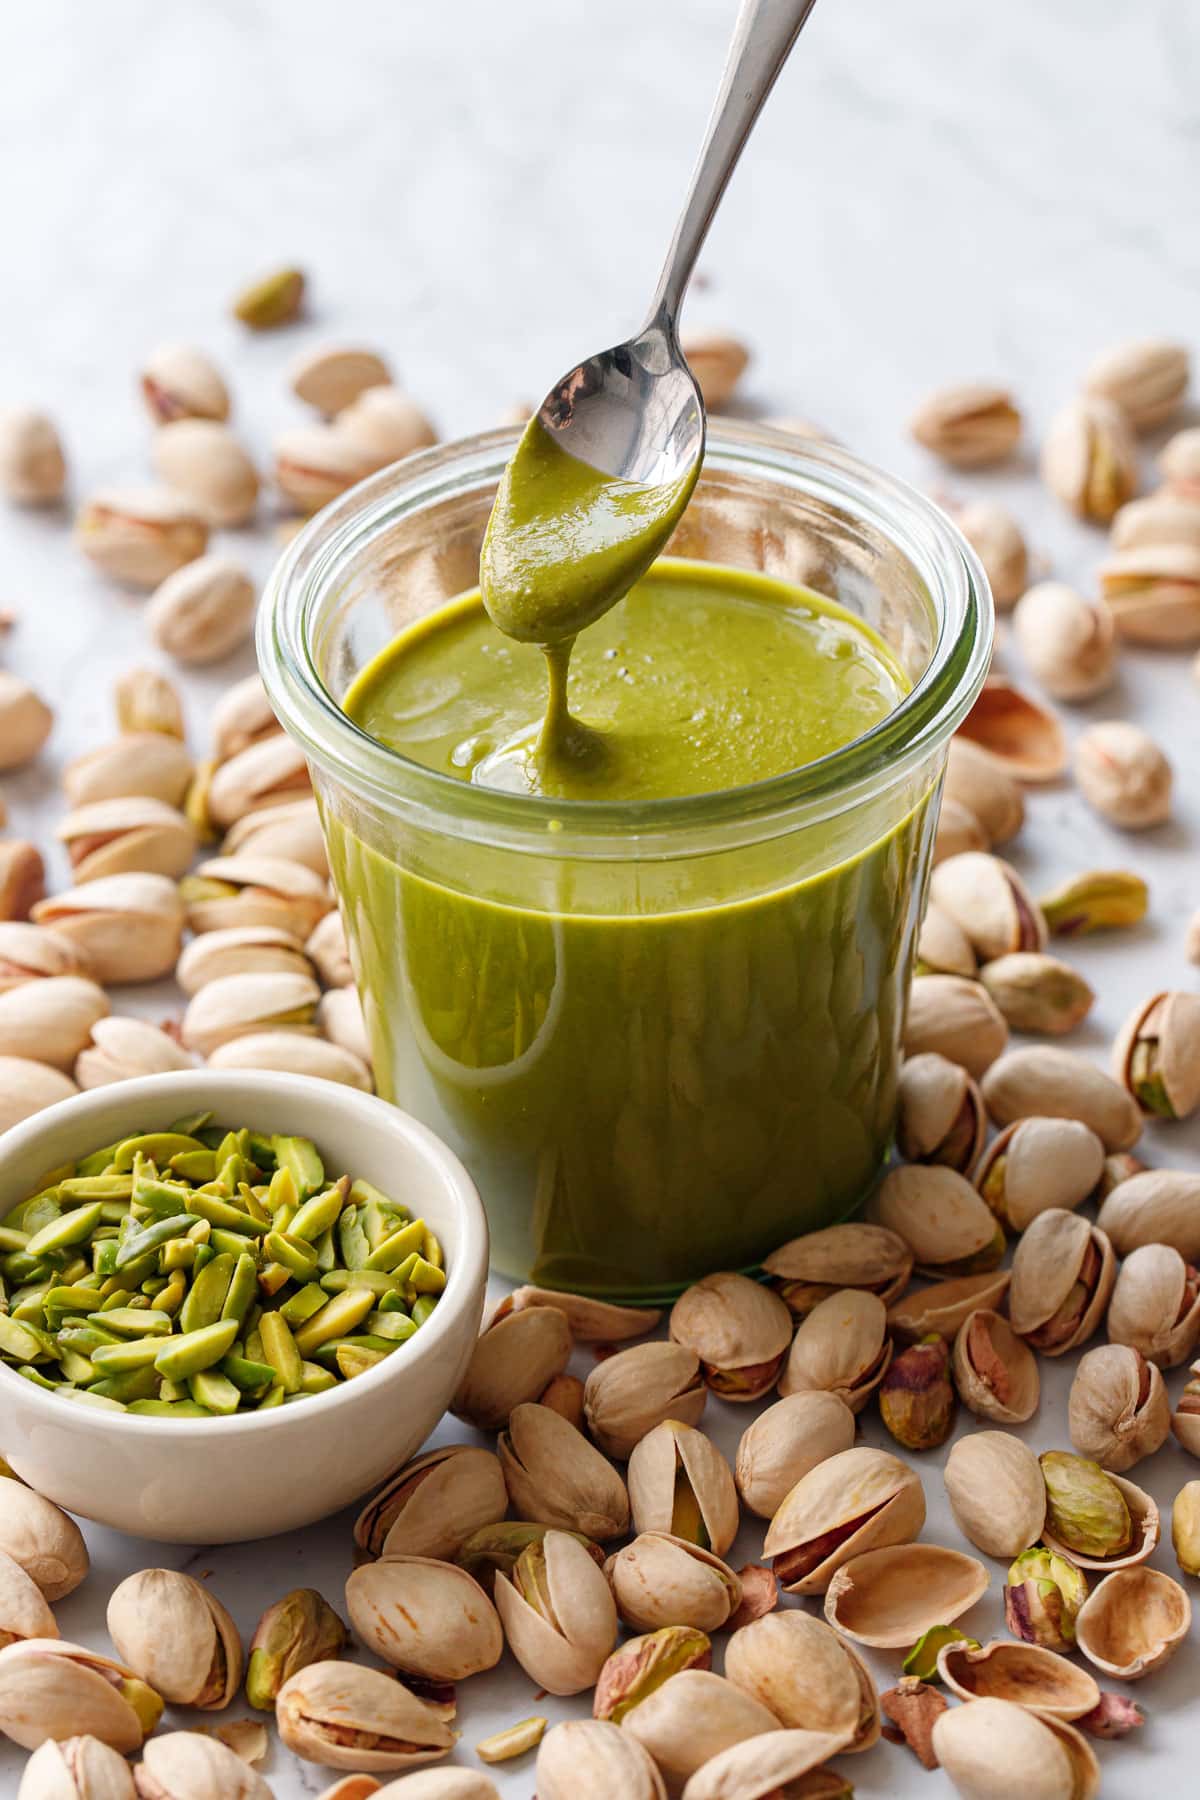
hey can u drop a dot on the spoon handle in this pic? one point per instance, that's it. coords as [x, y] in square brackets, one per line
[762, 42]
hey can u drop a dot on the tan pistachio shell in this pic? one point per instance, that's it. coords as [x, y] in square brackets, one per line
[672, 1453]
[1024, 1673]
[1000, 544]
[1123, 774]
[1047, 1082]
[188, 1765]
[52, 1688]
[291, 831]
[1143, 1511]
[27, 1087]
[178, 1637]
[1158, 1206]
[1023, 737]
[662, 1580]
[270, 772]
[240, 950]
[787, 1440]
[767, 1765]
[995, 1371]
[942, 1117]
[944, 1306]
[990, 903]
[943, 947]
[292, 1053]
[858, 1500]
[808, 1269]
[941, 1217]
[956, 1018]
[24, 1612]
[126, 928]
[426, 1617]
[432, 1505]
[1171, 1021]
[77, 1768]
[691, 1718]
[556, 1477]
[348, 1717]
[888, 1598]
[564, 1652]
[996, 1492]
[1047, 1163]
[137, 762]
[957, 830]
[134, 832]
[591, 1759]
[841, 1348]
[809, 1677]
[235, 1006]
[1155, 1305]
[975, 780]
[1063, 1272]
[1133, 1622]
[1118, 1411]
[30, 953]
[630, 1393]
[512, 1362]
[50, 1021]
[739, 1329]
[1068, 643]
[41, 1537]
[430, 1784]
[255, 890]
[1038, 993]
[993, 1749]
[591, 1321]
[123, 1048]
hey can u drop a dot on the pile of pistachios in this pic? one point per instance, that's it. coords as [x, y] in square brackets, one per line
[198, 1272]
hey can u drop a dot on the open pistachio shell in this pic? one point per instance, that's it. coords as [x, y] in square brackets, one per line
[778, 1762]
[663, 1580]
[1157, 1054]
[995, 1371]
[432, 1505]
[1063, 1272]
[785, 1442]
[990, 903]
[630, 1393]
[558, 1614]
[993, 1749]
[1022, 737]
[591, 1759]
[555, 1476]
[841, 1348]
[1024, 1673]
[1143, 1512]
[943, 947]
[1035, 1164]
[942, 1117]
[1157, 1206]
[52, 1688]
[77, 1768]
[1118, 1410]
[428, 1618]
[514, 1358]
[944, 1306]
[739, 1329]
[24, 1612]
[1044, 1081]
[857, 1500]
[942, 1219]
[348, 1717]
[996, 1492]
[1155, 1305]
[680, 1483]
[1132, 1622]
[889, 1598]
[855, 1255]
[693, 1717]
[591, 1321]
[807, 1675]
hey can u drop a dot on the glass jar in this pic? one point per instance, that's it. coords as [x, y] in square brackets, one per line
[663, 1035]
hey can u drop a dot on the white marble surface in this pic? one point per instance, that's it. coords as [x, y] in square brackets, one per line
[483, 192]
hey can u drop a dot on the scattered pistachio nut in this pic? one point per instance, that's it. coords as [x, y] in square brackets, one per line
[188, 1765]
[77, 1768]
[1038, 993]
[591, 1321]
[958, 830]
[269, 772]
[513, 1360]
[122, 1049]
[808, 1269]
[1152, 593]
[1185, 1527]
[1035, 1164]
[916, 1397]
[143, 762]
[1063, 1272]
[968, 425]
[203, 462]
[943, 947]
[999, 543]
[641, 1665]
[993, 1749]
[945, 1223]
[340, 1019]
[50, 1021]
[955, 1018]
[291, 831]
[856, 1500]
[1118, 1167]
[1042, 1598]
[1161, 518]
[1043, 1081]
[769, 1764]
[995, 1371]
[890, 1597]
[679, 1483]
[125, 927]
[433, 1505]
[1089, 458]
[1157, 1055]
[22, 879]
[1101, 900]
[291, 1053]
[272, 300]
[493, 1549]
[313, 464]
[941, 1113]
[177, 1637]
[787, 1440]
[1157, 1206]
[33, 469]
[348, 1717]
[179, 382]
[1099, 1520]
[990, 903]
[718, 360]
[385, 424]
[1069, 644]
[1155, 1305]
[330, 953]
[691, 1718]
[241, 717]
[555, 1475]
[975, 780]
[807, 1675]
[300, 1629]
[24, 1610]
[663, 1580]
[1147, 379]
[630, 1393]
[203, 611]
[235, 1006]
[28, 1087]
[148, 700]
[1023, 738]
[25, 721]
[558, 1612]
[427, 1618]
[254, 890]
[333, 376]
[1133, 1622]
[1123, 774]
[134, 833]
[1180, 463]
[591, 1759]
[739, 1329]
[139, 535]
[996, 1492]
[50, 1688]
[1118, 1412]
[842, 1347]
[239, 951]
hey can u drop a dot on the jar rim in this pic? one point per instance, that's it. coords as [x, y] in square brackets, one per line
[879, 758]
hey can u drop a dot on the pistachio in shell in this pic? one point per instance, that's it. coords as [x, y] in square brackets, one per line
[916, 1397]
[592, 1759]
[429, 1618]
[1156, 1206]
[1185, 1420]
[52, 1688]
[191, 1765]
[1037, 992]
[975, 779]
[1042, 1598]
[1118, 1411]
[1099, 1520]
[1155, 1305]
[841, 1348]
[693, 1717]
[681, 1484]
[591, 1321]
[958, 1019]
[558, 1614]
[1185, 1527]
[1035, 1164]
[76, 1768]
[555, 1476]
[1044, 1081]
[958, 830]
[995, 1371]
[739, 1329]
[888, 1597]
[24, 1611]
[773, 1763]
[41, 1537]
[945, 1305]
[996, 1492]
[642, 1664]
[809, 1269]
[787, 1440]
[1133, 1622]
[662, 1580]
[177, 1637]
[941, 1217]
[347, 1717]
[993, 1749]
[858, 1500]
[1024, 1673]
[1063, 1272]
[942, 1118]
[807, 1675]
[989, 903]
[943, 947]
[514, 1358]
[432, 1505]
[1157, 1055]
[630, 1393]
[493, 1549]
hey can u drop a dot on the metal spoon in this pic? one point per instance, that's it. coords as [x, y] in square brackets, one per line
[636, 411]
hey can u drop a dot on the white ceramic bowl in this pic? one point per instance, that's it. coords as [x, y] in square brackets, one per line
[213, 1481]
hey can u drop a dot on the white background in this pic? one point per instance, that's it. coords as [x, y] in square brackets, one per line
[483, 192]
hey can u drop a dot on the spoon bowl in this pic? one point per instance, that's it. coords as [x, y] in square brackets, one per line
[633, 412]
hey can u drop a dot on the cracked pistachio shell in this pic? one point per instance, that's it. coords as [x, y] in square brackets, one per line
[1000, 545]
[642, 1664]
[187, 1765]
[241, 950]
[941, 1118]
[591, 1759]
[1162, 518]
[993, 1749]
[27, 1087]
[127, 928]
[556, 1477]
[137, 762]
[1147, 379]
[661, 1580]
[1020, 735]
[693, 1717]
[270, 772]
[178, 1637]
[1157, 1206]
[33, 469]
[630, 1393]
[1080, 1500]
[995, 1371]
[78, 1768]
[340, 1019]
[1132, 1622]
[890, 1597]
[858, 1500]
[1068, 643]
[958, 830]
[809, 1269]
[787, 1440]
[1118, 1411]
[203, 461]
[809, 1677]
[558, 1613]
[1043, 1081]
[974, 780]
[24, 1612]
[134, 832]
[512, 1361]
[293, 1054]
[179, 382]
[50, 1021]
[233, 1006]
[1157, 1055]
[426, 1617]
[990, 903]
[943, 947]
[969, 424]
[1089, 458]
[1038, 993]
[124, 1048]
[206, 609]
[348, 1717]
[739, 1329]
[255, 890]
[1026, 1674]
[591, 1321]
[241, 717]
[956, 1018]
[432, 1784]
[316, 463]
[1035, 1164]
[41, 1537]
[28, 953]
[51, 1688]
[944, 1307]
[432, 1505]
[841, 1348]
[996, 1492]
[330, 953]
[941, 1218]
[776, 1762]
[384, 424]
[680, 1483]
[1155, 1305]
[1185, 1420]
[1063, 1272]
[1123, 774]
[291, 831]
[332, 376]
[138, 536]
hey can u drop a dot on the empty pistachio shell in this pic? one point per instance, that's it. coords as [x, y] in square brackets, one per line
[857, 1500]
[143, 762]
[125, 927]
[738, 1328]
[943, 947]
[24, 1612]
[956, 1018]
[131, 834]
[1036, 992]
[975, 780]
[591, 1759]
[1069, 643]
[663, 1580]
[993, 1749]
[1118, 1410]
[512, 1362]
[1155, 1305]
[33, 469]
[996, 1492]
[332, 376]
[432, 1505]
[203, 611]
[809, 1269]
[553, 1474]
[1123, 774]
[177, 1636]
[25, 721]
[998, 541]
[945, 1305]
[139, 535]
[1100, 1521]
[775, 1762]
[1158, 1206]
[1132, 1622]
[292, 1053]
[995, 1371]
[50, 1021]
[1035, 1164]
[787, 1440]
[630, 1393]
[348, 1717]
[1157, 1055]
[426, 1617]
[558, 1613]
[1062, 1276]
[693, 1717]
[78, 1768]
[28, 1087]
[240, 950]
[185, 1765]
[1045, 1082]
[50, 1688]
[384, 424]
[591, 1321]
[841, 1348]
[681, 1484]
[887, 1598]
[270, 772]
[1023, 1673]
[1021, 736]
[942, 1219]
[968, 425]
[718, 360]
[1042, 1598]
[990, 903]
[806, 1675]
